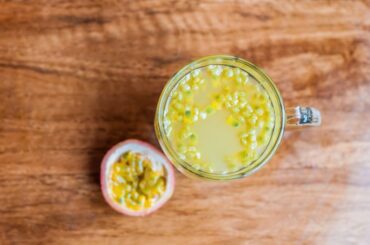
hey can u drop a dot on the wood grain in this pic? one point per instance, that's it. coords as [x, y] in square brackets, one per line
[78, 76]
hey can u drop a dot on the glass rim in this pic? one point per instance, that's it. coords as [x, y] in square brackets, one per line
[264, 80]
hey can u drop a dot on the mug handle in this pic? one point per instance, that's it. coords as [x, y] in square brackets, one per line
[301, 116]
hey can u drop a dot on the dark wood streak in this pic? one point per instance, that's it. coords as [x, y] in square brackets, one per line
[27, 67]
[81, 20]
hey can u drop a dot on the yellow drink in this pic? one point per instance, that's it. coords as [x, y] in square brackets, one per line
[219, 119]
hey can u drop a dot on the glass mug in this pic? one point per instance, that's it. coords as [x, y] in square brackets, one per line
[292, 117]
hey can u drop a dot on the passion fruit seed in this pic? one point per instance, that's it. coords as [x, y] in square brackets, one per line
[136, 181]
[249, 106]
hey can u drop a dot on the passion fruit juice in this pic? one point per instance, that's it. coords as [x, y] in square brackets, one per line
[219, 119]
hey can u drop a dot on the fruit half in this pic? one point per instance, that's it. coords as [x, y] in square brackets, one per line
[136, 178]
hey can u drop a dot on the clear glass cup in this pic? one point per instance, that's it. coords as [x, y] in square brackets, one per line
[298, 116]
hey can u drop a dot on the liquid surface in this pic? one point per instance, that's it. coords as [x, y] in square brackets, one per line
[136, 182]
[219, 119]
[211, 130]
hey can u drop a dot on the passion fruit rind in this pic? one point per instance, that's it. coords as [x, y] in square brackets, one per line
[145, 163]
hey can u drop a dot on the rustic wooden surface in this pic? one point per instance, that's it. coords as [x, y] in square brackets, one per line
[76, 77]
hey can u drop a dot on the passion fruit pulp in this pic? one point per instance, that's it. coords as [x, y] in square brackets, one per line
[136, 178]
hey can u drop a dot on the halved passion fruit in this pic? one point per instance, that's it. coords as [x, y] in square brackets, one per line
[136, 179]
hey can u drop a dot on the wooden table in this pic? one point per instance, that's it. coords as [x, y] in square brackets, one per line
[76, 77]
